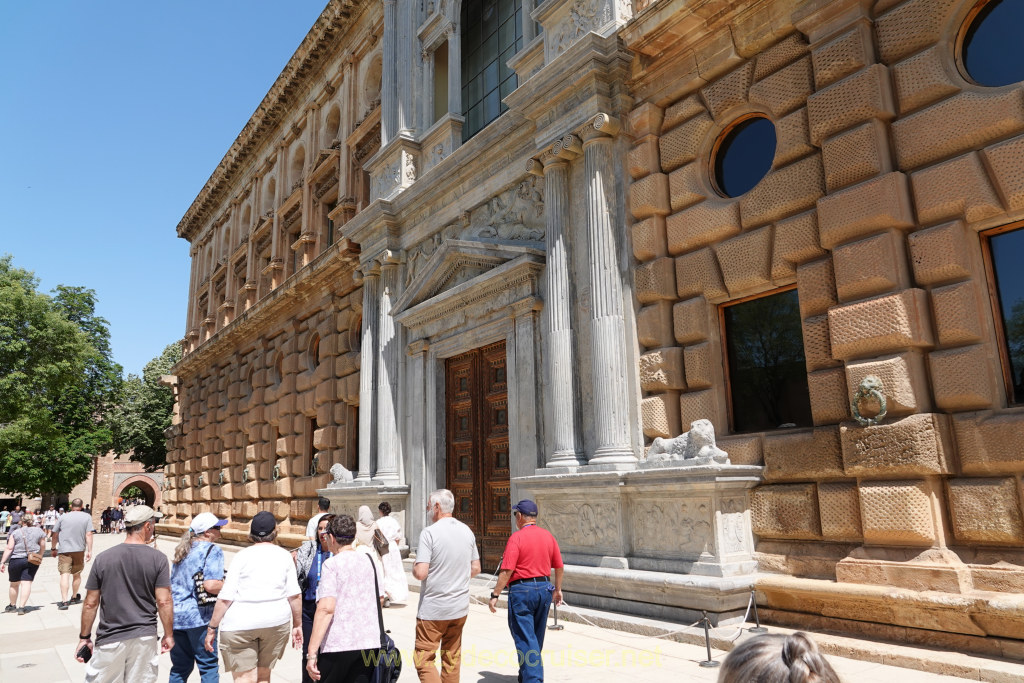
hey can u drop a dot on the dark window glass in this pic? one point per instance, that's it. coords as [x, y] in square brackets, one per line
[991, 49]
[767, 371]
[492, 31]
[330, 232]
[744, 156]
[1007, 255]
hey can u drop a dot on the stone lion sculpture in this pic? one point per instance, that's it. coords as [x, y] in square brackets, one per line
[696, 447]
[339, 475]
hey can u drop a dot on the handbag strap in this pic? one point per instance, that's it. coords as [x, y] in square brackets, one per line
[376, 599]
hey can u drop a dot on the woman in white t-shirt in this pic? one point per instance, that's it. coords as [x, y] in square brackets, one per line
[259, 607]
[346, 630]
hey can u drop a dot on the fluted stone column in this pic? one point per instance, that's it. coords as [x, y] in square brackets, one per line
[416, 425]
[560, 394]
[389, 359]
[607, 322]
[405, 78]
[367, 376]
[454, 72]
[389, 74]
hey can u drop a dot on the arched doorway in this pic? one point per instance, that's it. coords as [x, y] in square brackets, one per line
[143, 485]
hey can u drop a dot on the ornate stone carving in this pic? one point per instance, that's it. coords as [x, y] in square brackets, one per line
[696, 447]
[339, 476]
[584, 16]
[673, 526]
[589, 525]
[870, 387]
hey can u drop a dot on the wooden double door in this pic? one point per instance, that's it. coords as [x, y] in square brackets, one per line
[476, 415]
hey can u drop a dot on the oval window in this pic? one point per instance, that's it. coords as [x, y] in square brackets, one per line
[990, 51]
[743, 155]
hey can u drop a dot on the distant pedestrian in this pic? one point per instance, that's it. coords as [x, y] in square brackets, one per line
[49, 521]
[5, 519]
[74, 534]
[446, 559]
[26, 540]
[129, 585]
[396, 585]
[530, 556]
[197, 576]
[366, 531]
[15, 518]
[115, 520]
[777, 658]
[323, 505]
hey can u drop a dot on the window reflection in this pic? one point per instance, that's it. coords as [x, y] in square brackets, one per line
[1007, 255]
[991, 53]
[492, 32]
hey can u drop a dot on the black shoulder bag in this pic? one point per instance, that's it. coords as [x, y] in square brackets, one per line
[388, 665]
[202, 596]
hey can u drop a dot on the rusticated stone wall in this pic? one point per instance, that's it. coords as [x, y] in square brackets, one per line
[888, 165]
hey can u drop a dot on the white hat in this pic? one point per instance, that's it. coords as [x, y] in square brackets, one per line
[205, 521]
[139, 514]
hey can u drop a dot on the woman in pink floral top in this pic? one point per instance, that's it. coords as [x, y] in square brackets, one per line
[346, 634]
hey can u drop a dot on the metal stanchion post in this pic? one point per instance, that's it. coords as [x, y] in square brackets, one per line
[710, 663]
[757, 621]
[556, 626]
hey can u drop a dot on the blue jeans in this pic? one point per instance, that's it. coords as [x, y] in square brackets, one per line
[528, 605]
[188, 651]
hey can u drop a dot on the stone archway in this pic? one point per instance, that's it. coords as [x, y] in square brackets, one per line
[150, 484]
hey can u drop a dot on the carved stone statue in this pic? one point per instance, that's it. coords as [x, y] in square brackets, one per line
[695, 447]
[339, 475]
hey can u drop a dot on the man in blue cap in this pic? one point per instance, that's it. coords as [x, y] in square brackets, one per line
[530, 556]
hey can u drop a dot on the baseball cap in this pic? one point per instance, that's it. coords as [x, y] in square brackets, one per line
[137, 514]
[263, 524]
[526, 507]
[205, 521]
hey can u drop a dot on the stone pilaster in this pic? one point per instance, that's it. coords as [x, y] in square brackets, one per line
[389, 360]
[367, 376]
[389, 75]
[454, 72]
[416, 429]
[406, 77]
[607, 321]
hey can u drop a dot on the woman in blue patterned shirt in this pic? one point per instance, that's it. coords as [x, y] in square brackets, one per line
[309, 560]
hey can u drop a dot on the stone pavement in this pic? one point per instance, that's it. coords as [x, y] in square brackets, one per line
[38, 648]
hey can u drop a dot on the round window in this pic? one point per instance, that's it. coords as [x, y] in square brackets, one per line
[990, 51]
[743, 155]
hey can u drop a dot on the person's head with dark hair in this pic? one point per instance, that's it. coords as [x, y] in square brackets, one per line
[385, 509]
[323, 504]
[343, 529]
[323, 533]
[775, 658]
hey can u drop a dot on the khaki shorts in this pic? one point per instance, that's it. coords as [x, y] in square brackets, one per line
[71, 563]
[259, 647]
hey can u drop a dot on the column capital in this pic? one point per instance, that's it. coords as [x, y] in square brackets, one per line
[389, 257]
[601, 125]
[417, 347]
[366, 270]
[528, 306]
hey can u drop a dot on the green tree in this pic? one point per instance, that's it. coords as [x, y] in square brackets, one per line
[144, 411]
[57, 381]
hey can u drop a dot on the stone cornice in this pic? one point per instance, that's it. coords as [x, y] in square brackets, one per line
[302, 69]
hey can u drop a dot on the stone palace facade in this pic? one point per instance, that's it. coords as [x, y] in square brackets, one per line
[500, 246]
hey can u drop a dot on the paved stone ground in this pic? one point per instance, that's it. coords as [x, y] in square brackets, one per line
[38, 647]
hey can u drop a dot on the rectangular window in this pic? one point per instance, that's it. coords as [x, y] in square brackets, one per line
[492, 33]
[440, 81]
[767, 373]
[311, 427]
[1005, 254]
[330, 232]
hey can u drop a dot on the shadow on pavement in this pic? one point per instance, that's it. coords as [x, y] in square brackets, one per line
[491, 677]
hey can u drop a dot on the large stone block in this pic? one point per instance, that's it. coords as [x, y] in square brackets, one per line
[785, 90]
[796, 242]
[911, 446]
[870, 266]
[963, 122]
[655, 280]
[881, 325]
[871, 206]
[839, 505]
[802, 455]
[648, 196]
[662, 370]
[1006, 160]
[660, 415]
[921, 80]
[649, 238]
[684, 186]
[697, 359]
[816, 287]
[697, 274]
[745, 260]
[784, 192]
[962, 378]
[817, 343]
[709, 221]
[986, 511]
[842, 56]
[958, 188]
[830, 399]
[957, 311]
[990, 442]
[910, 27]
[681, 144]
[782, 53]
[743, 449]
[654, 325]
[700, 405]
[897, 513]
[643, 157]
[681, 111]
[729, 90]
[856, 155]
[864, 95]
[792, 138]
[785, 511]
[690, 320]
[940, 254]
[904, 381]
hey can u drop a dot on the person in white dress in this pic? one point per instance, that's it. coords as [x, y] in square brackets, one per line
[396, 585]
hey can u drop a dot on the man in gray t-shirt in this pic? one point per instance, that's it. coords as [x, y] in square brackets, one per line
[446, 559]
[73, 532]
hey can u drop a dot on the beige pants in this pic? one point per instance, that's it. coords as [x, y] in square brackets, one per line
[126, 661]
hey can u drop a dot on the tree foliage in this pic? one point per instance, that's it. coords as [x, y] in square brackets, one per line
[57, 384]
[144, 411]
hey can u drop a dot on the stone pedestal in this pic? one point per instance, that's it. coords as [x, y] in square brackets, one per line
[346, 499]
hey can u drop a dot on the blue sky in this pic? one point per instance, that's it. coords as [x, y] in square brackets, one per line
[113, 115]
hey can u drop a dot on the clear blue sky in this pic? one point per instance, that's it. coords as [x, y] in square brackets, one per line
[113, 115]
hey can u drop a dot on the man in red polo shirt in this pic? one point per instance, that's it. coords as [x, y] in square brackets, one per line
[530, 555]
